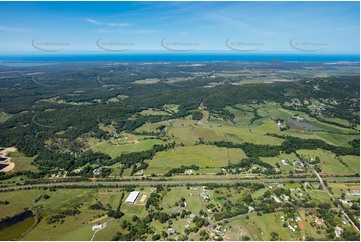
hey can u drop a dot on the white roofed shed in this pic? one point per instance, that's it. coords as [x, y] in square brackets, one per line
[132, 197]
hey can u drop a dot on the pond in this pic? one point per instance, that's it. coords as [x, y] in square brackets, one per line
[14, 227]
[304, 125]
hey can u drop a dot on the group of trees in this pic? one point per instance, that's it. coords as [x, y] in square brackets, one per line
[181, 170]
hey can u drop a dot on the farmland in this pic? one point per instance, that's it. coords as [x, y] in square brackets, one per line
[217, 151]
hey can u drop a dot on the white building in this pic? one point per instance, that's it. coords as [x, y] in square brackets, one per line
[277, 199]
[132, 197]
[98, 226]
[338, 231]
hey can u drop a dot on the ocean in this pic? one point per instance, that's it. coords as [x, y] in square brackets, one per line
[175, 57]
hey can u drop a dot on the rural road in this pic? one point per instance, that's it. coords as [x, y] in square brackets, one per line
[324, 187]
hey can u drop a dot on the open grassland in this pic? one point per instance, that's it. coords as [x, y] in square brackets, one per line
[74, 227]
[289, 158]
[193, 202]
[242, 116]
[116, 147]
[337, 139]
[352, 161]
[220, 195]
[109, 231]
[331, 164]
[107, 128]
[259, 228]
[319, 196]
[149, 127]
[265, 126]
[331, 133]
[4, 117]
[65, 198]
[22, 162]
[109, 198]
[200, 155]
[303, 134]
[340, 121]
[18, 201]
[339, 188]
[147, 81]
[235, 155]
[152, 111]
[187, 132]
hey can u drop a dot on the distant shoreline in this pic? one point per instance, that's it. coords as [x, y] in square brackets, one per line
[178, 57]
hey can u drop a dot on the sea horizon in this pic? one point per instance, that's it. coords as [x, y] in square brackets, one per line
[177, 57]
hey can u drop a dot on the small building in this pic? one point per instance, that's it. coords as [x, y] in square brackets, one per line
[171, 230]
[132, 197]
[319, 221]
[346, 202]
[284, 162]
[338, 231]
[292, 228]
[276, 199]
[98, 226]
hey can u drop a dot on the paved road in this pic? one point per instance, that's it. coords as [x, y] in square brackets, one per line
[172, 182]
[324, 187]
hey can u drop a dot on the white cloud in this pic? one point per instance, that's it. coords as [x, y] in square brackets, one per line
[102, 31]
[118, 24]
[111, 24]
[12, 29]
[92, 21]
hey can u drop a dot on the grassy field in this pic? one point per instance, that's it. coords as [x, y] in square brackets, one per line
[187, 132]
[331, 164]
[115, 148]
[18, 200]
[4, 116]
[242, 115]
[353, 162]
[74, 227]
[147, 81]
[108, 128]
[151, 111]
[109, 197]
[289, 158]
[336, 139]
[200, 155]
[319, 196]
[339, 188]
[148, 127]
[336, 120]
[175, 194]
[22, 163]
[259, 228]
[235, 155]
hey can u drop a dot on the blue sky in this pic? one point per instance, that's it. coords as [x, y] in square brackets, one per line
[246, 26]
